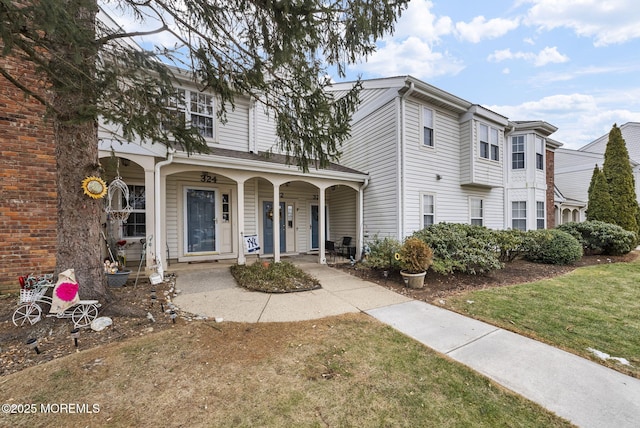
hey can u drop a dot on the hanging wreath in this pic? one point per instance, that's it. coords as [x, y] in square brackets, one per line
[94, 187]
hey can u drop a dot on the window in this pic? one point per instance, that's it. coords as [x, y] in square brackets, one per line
[493, 141]
[427, 127]
[202, 113]
[483, 135]
[488, 137]
[517, 152]
[540, 215]
[539, 153]
[519, 215]
[476, 208]
[195, 108]
[428, 210]
[136, 223]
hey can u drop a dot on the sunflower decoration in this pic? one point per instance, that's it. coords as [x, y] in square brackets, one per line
[94, 187]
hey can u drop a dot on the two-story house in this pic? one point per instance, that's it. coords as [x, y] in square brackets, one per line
[434, 157]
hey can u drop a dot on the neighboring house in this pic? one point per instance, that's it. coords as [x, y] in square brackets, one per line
[574, 169]
[433, 157]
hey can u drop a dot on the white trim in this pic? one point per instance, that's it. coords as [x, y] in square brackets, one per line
[482, 209]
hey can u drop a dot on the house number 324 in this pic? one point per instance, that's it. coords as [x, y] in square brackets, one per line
[206, 178]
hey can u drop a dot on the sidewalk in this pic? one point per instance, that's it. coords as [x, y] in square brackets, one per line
[585, 393]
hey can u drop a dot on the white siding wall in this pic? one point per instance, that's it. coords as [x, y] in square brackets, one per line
[424, 164]
[342, 213]
[373, 149]
[234, 134]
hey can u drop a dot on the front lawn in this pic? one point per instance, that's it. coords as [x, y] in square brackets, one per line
[595, 307]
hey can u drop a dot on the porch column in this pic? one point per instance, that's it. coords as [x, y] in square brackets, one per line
[322, 225]
[150, 218]
[276, 222]
[240, 221]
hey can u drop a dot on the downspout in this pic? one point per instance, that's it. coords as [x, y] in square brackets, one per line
[361, 214]
[156, 209]
[402, 161]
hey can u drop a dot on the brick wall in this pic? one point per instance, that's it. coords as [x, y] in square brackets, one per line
[551, 216]
[28, 201]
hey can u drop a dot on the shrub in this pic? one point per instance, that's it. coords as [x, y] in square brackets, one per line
[598, 237]
[552, 246]
[511, 244]
[461, 248]
[382, 254]
[415, 256]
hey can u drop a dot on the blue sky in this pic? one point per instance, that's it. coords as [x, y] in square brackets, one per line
[572, 63]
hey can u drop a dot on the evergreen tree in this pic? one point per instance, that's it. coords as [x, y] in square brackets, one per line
[600, 205]
[619, 175]
[276, 52]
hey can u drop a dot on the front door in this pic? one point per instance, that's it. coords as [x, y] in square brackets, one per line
[267, 222]
[200, 225]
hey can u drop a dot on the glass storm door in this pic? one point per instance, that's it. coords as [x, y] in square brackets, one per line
[201, 220]
[315, 222]
[267, 222]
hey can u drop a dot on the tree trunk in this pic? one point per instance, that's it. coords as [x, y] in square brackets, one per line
[75, 126]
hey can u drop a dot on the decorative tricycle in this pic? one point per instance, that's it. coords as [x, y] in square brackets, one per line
[63, 303]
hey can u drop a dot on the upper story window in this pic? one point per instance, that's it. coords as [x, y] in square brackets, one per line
[539, 153]
[540, 215]
[517, 152]
[476, 211]
[427, 127]
[488, 137]
[428, 210]
[195, 108]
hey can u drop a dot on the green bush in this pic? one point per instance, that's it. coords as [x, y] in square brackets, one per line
[382, 254]
[552, 246]
[461, 248]
[511, 244]
[598, 237]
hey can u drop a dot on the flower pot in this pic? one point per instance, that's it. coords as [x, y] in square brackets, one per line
[413, 280]
[118, 279]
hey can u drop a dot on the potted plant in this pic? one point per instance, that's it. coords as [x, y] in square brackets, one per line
[415, 257]
[116, 277]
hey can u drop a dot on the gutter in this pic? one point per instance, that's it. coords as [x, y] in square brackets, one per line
[156, 209]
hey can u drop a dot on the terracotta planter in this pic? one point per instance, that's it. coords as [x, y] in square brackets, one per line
[413, 280]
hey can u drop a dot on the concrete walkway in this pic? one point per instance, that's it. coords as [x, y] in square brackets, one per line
[585, 393]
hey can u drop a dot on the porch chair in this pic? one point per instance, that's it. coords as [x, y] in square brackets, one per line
[330, 249]
[345, 249]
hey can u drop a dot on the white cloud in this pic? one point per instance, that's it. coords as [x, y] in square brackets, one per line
[607, 22]
[418, 21]
[480, 29]
[580, 118]
[411, 56]
[545, 56]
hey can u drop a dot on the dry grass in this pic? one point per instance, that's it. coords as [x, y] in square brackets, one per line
[340, 371]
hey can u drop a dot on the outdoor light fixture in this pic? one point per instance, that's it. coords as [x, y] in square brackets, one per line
[173, 316]
[33, 344]
[75, 334]
[386, 275]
